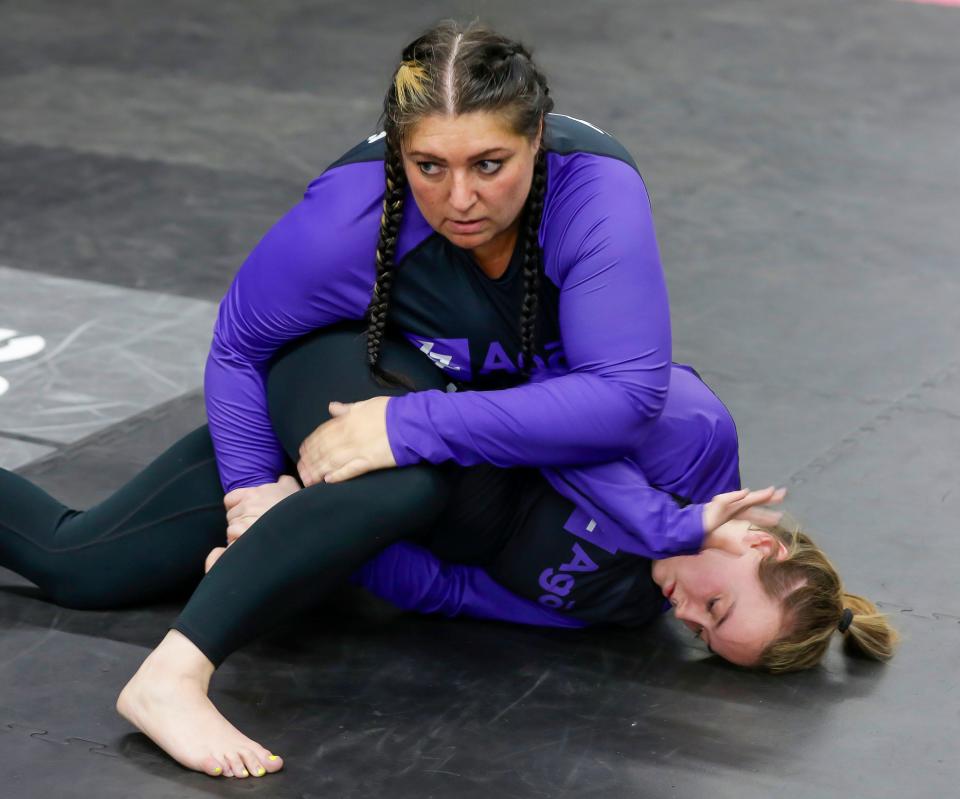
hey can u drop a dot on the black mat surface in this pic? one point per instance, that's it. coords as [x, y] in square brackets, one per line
[802, 160]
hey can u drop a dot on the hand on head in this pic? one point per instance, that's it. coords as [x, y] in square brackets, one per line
[745, 505]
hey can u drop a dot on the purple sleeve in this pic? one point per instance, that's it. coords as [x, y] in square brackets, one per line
[413, 579]
[313, 268]
[629, 515]
[692, 452]
[600, 250]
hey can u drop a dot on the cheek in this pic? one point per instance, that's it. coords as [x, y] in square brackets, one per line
[505, 197]
[707, 574]
[428, 196]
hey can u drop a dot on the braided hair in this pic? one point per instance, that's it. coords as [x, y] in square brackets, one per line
[456, 70]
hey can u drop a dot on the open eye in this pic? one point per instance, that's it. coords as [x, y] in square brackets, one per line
[489, 166]
[428, 168]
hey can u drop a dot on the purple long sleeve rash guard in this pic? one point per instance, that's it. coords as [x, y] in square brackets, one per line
[316, 267]
[594, 406]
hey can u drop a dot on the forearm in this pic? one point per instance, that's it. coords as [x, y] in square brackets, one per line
[248, 453]
[570, 418]
[413, 579]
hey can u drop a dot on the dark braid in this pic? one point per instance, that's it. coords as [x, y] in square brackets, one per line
[386, 247]
[532, 262]
[454, 70]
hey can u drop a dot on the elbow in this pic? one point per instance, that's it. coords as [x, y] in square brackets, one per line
[646, 401]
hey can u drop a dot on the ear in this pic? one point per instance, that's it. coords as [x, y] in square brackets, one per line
[765, 543]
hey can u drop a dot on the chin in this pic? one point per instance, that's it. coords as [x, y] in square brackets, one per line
[469, 241]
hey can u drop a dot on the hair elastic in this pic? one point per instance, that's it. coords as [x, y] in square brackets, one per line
[845, 620]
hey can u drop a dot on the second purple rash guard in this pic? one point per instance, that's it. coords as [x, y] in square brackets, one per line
[603, 360]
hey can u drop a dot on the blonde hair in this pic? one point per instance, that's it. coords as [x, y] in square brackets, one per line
[813, 600]
[410, 84]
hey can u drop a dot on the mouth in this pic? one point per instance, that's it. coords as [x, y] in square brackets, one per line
[466, 225]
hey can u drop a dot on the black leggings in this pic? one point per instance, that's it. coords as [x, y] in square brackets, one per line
[149, 540]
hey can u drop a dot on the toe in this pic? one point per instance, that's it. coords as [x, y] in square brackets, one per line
[212, 766]
[252, 762]
[272, 762]
[236, 765]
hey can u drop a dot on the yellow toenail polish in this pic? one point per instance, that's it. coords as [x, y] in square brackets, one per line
[245, 773]
[261, 771]
[218, 771]
[274, 757]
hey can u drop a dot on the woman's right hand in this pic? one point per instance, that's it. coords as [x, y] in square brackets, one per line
[246, 505]
[744, 504]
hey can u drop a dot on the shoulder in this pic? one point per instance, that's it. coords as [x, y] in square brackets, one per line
[588, 168]
[566, 135]
[346, 200]
[373, 148]
[596, 201]
[348, 193]
[593, 183]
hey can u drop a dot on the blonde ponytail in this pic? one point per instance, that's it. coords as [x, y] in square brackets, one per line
[814, 605]
[870, 634]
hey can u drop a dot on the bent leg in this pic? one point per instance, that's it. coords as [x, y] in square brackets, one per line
[145, 542]
[302, 549]
[308, 544]
[288, 560]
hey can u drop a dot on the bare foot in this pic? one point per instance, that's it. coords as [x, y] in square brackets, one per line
[167, 701]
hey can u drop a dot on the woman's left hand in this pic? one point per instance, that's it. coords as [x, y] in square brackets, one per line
[352, 443]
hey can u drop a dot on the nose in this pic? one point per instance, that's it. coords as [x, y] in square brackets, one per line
[692, 617]
[463, 195]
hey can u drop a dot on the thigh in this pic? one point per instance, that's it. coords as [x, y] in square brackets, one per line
[331, 364]
[486, 503]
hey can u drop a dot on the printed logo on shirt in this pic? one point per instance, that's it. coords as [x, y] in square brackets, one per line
[580, 524]
[450, 354]
[453, 356]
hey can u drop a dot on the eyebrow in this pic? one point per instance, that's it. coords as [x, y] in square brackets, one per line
[416, 153]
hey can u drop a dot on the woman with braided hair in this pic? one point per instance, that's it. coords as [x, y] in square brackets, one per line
[558, 469]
